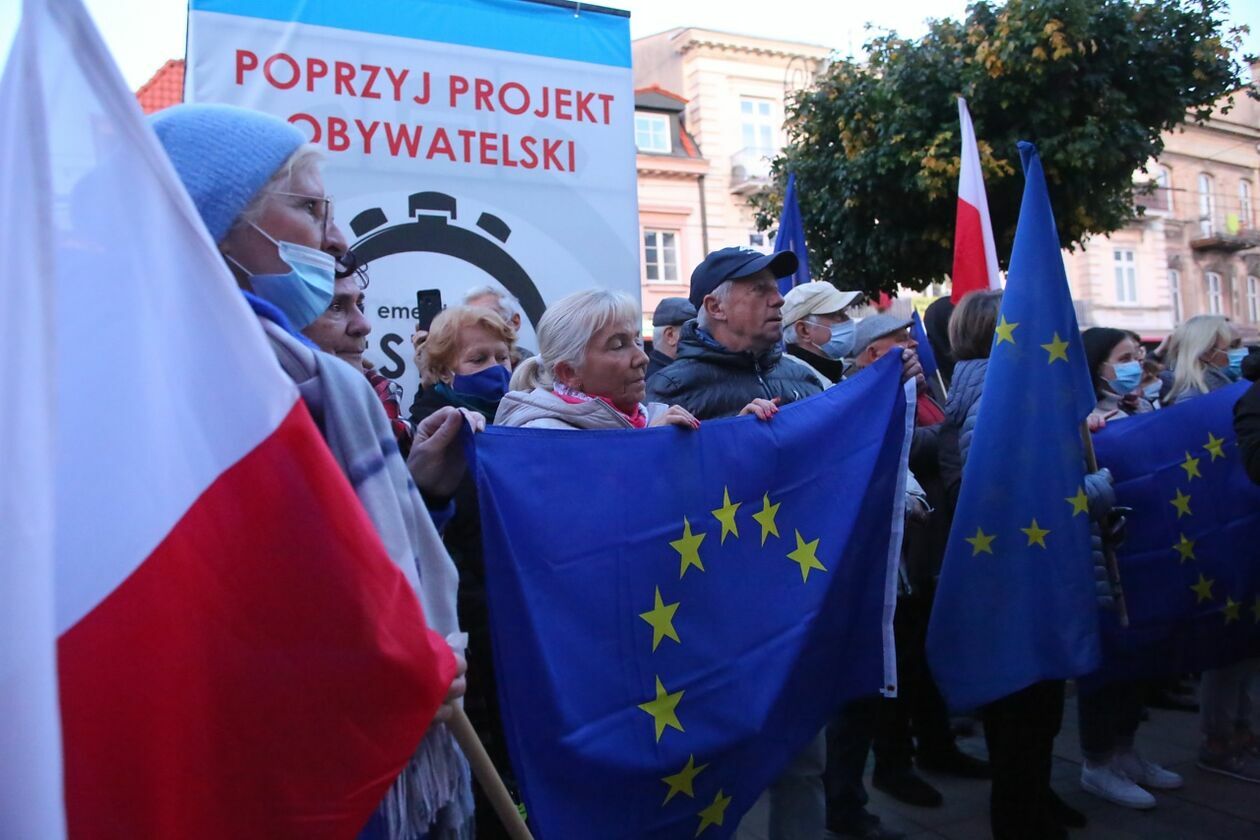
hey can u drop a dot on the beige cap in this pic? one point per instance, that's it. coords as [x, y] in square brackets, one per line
[817, 298]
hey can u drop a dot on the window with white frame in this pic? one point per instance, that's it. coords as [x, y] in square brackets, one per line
[1207, 205]
[1126, 275]
[660, 255]
[759, 241]
[1213, 282]
[1244, 204]
[651, 132]
[1163, 187]
[1253, 298]
[1174, 292]
[757, 126]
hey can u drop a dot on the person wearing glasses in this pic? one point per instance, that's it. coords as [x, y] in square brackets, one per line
[257, 186]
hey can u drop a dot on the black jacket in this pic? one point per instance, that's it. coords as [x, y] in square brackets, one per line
[1247, 427]
[833, 369]
[656, 361]
[710, 381]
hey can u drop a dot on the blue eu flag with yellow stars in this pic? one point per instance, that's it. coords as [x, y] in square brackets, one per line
[1016, 600]
[1190, 561]
[676, 614]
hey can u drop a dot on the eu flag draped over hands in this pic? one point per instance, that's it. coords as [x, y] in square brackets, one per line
[1190, 562]
[791, 237]
[1016, 602]
[675, 614]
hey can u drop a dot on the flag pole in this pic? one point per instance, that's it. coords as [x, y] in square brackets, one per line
[941, 381]
[1109, 553]
[488, 777]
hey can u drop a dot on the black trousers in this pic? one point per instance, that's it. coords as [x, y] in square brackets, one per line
[1109, 718]
[1020, 730]
[918, 712]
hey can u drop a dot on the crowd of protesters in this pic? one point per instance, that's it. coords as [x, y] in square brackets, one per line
[736, 346]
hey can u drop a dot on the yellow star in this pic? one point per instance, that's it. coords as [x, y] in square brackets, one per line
[1079, 502]
[1191, 466]
[805, 556]
[1182, 504]
[1057, 349]
[681, 781]
[1213, 446]
[1185, 548]
[1203, 589]
[765, 518]
[688, 548]
[1231, 609]
[981, 542]
[715, 813]
[726, 515]
[663, 709]
[1255, 609]
[1036, 536]
[661, 617]
[1005, 331]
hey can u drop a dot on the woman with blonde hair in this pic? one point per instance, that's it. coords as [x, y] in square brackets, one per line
[589, 372]
[465, 362]
[1197, 357]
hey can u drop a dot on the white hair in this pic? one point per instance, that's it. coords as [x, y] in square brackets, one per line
[507, 305]
[567, 328]
[722, 293]
[307, 157]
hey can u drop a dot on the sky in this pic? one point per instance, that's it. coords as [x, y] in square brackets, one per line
[143, 34]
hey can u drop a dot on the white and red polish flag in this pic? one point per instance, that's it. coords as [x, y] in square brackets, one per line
[201, 635]
[975, 257]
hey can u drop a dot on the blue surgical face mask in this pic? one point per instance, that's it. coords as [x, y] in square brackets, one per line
[1236, 355]
[305, 291]
[488, 384]
[1128, 375]
[841, 342]
[1152, 391]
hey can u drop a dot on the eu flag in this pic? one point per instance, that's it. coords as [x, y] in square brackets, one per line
[1016, 601]
[676, 614]
[1190, 562]
[926, 357]
[791, 237]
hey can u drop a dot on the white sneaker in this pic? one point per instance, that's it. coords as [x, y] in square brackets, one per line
[1109, 783]
[1146, 773]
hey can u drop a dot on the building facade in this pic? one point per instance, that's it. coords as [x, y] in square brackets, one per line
[1196, 250]
[731, 91]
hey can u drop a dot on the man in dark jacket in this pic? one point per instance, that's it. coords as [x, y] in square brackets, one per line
[729, 359]
[667, 321]
[1247, 427]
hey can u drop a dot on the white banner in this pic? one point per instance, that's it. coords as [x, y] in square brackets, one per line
[468, 142]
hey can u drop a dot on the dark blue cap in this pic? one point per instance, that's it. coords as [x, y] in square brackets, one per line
[735, 264]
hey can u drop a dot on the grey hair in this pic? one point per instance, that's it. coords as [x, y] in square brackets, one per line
[1189, 343]
[567, 328]
[722, 293]
[789, 334]
[307, 157]
[508, 305]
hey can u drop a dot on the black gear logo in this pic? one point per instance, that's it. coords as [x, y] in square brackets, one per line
[429, 229]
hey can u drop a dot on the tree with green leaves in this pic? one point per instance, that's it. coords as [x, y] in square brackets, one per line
[875, 146]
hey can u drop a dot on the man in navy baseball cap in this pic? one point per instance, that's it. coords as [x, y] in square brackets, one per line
[730, 359]
[736, 264]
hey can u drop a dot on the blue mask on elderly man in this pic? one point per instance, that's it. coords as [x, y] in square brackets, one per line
[488, 384]
[1128, 375]
[305, 291]
[840, 344]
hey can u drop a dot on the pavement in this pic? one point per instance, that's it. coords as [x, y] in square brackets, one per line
[1209, 806]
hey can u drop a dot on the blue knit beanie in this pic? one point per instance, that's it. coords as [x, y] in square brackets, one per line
[224, 155]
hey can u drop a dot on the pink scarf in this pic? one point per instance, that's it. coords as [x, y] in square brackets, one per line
[574, 397]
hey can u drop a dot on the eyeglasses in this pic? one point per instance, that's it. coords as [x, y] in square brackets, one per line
[319, 206]
[348, 264]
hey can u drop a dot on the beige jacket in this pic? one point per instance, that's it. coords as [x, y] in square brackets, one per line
[542, 409]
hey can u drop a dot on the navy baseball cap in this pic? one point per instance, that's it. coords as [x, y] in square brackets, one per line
[736, 264]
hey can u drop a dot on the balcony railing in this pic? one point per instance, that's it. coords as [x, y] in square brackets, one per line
[750, 170]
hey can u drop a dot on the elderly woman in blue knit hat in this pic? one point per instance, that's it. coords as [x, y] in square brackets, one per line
[257, 186]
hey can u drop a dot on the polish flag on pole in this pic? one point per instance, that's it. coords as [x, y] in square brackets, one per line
[975, 257]
[201, 635]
